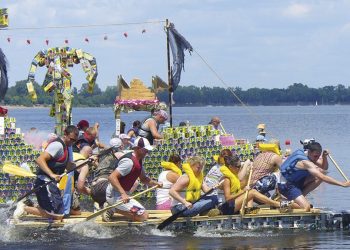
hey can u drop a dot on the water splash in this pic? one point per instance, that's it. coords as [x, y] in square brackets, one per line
[207, 233]
[92, 230]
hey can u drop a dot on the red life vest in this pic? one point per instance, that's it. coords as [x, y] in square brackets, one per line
[128, 180]
[57, 166]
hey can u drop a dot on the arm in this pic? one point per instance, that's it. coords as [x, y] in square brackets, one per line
[42, 163]
[131, 133]
[205, 187]
[148, 181]
[323, 161]
[113, 178]
[244, 171]
[277, 162]
[153, 128]
[81, 180]
[180, 185]
[227, 191]
[313, 169]
[172, 177]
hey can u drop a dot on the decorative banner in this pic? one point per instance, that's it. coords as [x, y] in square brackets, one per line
[58, 79]
[4, 21]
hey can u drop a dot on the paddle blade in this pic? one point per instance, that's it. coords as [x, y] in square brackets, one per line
[16, 170]
[169, 220]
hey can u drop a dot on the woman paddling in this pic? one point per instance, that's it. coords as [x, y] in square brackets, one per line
[168, 177]
[188, 187]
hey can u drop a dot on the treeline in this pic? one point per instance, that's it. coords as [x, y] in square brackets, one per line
[296, 94]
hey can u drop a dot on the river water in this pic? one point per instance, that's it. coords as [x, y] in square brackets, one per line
[327, 124]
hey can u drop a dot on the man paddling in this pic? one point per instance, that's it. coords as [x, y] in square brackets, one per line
[52, 162]
[302, 172]
[122, 179]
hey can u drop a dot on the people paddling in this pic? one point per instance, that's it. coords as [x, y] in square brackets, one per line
[122, 179]
[52, 163]
[168, 177]
[266, 173]
[233, 194]
[187, 189]
[303, 171]
[106, 165]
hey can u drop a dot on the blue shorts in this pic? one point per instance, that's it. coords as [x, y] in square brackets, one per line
[228, 208]
[266, 184]
[49, 197]
[290, 190]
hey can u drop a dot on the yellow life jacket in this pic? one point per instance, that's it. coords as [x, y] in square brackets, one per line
[272, 147]
[63, 182]
[235, 184]
[171, 166]
[78, 156]
[193, 191]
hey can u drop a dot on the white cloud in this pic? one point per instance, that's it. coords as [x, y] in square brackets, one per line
[297, 10]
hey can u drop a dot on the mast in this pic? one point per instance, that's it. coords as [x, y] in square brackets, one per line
[170, 84]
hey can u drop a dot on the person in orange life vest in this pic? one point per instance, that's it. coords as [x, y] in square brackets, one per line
[122, 179]
[52, 163]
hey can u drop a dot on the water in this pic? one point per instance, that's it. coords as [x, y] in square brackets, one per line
[327, 124]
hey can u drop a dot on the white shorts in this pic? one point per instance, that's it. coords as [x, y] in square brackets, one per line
[133, 206]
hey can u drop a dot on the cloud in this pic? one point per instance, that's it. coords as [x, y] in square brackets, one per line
[297, 10]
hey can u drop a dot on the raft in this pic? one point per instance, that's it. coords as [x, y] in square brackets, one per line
[262, 218]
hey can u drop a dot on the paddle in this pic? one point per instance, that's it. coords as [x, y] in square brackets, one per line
[242, 210]
[13, 169]
[177, 215]
[107, 151]
[99, 212]
[337, 166]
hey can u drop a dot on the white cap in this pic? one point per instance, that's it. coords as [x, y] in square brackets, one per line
[124, 136]
[143, 143]
[115, 142]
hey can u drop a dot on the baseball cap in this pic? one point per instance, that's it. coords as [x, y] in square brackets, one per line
[83, 124]
[162, 113]
[124, 136]
[115, 142]
[143, 143]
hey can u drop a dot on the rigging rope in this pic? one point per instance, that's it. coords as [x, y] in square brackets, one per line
[84, 26]
[252, 113]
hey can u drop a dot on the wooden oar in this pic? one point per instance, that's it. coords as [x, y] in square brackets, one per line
[177, 215]
[337, 166]
[13, 169]
[99, 212]
[242, 210]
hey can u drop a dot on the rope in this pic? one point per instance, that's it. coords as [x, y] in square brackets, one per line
[251, 112]
[84, 26]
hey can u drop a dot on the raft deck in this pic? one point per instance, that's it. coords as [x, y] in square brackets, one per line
[262, 218]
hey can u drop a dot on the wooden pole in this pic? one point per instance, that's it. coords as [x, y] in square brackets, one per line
[339, 169]
[170, 91]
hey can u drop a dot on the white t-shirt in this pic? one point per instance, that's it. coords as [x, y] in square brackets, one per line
[163, 192]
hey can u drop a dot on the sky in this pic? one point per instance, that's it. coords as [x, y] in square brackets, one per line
[237, 43]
